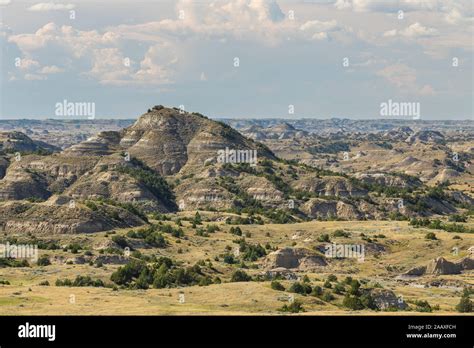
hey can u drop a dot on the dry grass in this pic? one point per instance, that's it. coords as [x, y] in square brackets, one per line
[406, 248]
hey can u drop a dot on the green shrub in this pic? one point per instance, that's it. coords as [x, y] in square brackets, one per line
[341, 233]
[464, 305]
[277, 286]
[368, 301]
[197, 219]
[348, 280]
[91, 205]
[236, 230]
[251, 252]
[423, 306]
[327, 296]
[339, 289]
[355, 285]
[124, 274]
[156, 239]
[294, 307]
[43, 261]
[457, 218]
[151, 179]
[240, 276]
[317, 291]
[352, 302]
[229, 259]
[212, 228]
[120, 241]
[430, 236]
[300, 288]
[324, 238]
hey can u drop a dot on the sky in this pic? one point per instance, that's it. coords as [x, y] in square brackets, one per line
[239, 58]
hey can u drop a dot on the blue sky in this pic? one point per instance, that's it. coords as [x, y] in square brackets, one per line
[126, 56]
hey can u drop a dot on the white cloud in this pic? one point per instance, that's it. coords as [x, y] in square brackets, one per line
[5, 2]
[318, 26]
[405, 79]
[390, 33]
[387, 5]
[52, 69]
[28, 64]
[460, 13]
[417, 30]
[50, 6]
[108, 66]
[253, 20]
[399, 75]
[34, 77]
[102, 51]
[413, 31]
[76, 42]
[156, 67]
[324, 30]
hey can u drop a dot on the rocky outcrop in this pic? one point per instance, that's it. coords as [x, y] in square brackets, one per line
[104, 143]
[333, 186]
[446, 174]
[329, 209]
[111, 259]
[42, 219]
[386, 299]
[390, 180]
[280, 273]
[36, 176]
[426, 136]
[416, 271]
[18, 141]
[441, 266]
[168, 139]
[294, 258]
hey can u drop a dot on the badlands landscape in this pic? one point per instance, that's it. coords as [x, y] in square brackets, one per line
[321, 217]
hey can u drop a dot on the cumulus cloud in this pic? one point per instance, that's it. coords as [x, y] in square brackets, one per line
[28, 64]
[102, 51]
[255, 20]
[110, 67]
[319, 30]
[75, 41]
[241, 19]
[52, 69]
[387, 5]
[460, 13]
[50, 6]
[405, 79]
[34, 77]
[413, 31]
[417, 30]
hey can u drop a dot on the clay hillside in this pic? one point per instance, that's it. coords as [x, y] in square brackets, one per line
[170, 160]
